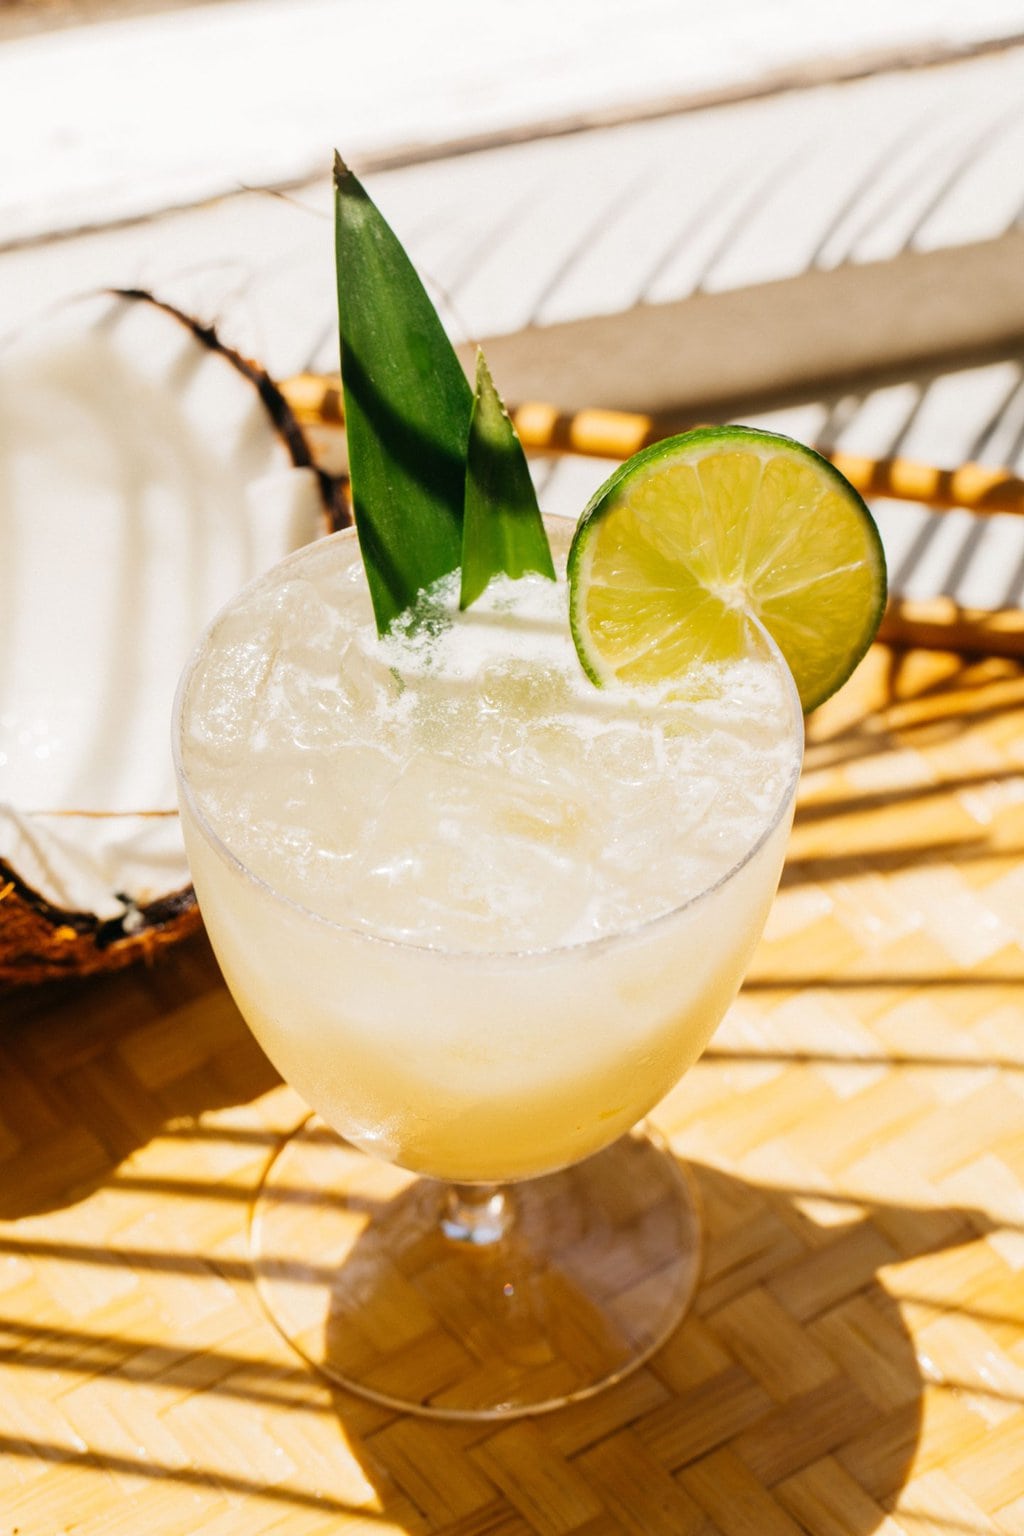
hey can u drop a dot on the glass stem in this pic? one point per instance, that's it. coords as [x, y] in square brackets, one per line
[475, 1213]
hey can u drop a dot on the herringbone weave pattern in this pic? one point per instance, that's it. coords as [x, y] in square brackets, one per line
[855, 1359]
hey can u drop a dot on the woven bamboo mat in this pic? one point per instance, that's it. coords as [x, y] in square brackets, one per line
[855, 1358]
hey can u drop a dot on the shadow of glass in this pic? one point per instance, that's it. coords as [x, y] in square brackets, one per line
[791, 1387]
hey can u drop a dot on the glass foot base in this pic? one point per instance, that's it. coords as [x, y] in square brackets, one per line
[471, 1302]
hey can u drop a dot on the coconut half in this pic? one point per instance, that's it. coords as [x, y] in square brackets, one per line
[146, 473]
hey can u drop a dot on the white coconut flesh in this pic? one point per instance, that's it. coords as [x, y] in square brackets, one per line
[143, 480]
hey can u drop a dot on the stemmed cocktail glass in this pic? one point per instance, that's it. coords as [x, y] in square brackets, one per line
[468, 1224]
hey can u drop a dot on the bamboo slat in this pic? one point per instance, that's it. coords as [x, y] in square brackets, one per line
[854, 1360]
[316, 401]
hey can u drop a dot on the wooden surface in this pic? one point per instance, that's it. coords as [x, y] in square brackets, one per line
[855, 1358]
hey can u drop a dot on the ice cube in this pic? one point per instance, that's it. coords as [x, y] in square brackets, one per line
[367, 680]
[523, 690]
[503, 865]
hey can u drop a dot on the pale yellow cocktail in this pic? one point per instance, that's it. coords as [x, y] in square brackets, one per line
[480, 914]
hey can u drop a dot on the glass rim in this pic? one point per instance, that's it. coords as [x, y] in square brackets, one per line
[353, 928]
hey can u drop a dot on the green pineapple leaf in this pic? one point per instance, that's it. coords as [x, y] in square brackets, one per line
[502, 529]
[407, 408]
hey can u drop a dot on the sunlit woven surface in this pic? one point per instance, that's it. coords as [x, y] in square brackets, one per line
[855, 1360]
